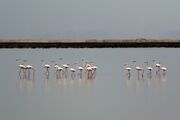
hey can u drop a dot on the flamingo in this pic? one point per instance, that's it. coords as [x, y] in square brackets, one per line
[21, 66]
[80, 69]
[158, 66]
[94, 68]
[164, 70]
[149, 69]
[22, 69]
[128, 70]
[59, 68]
[66, 66]
[30, 67]
[139, 69]
[89, 72]
[47, 66]
[58, 71]
[56, 66]
[86, 66]
[72, 73]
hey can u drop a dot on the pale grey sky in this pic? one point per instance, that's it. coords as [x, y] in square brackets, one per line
[89, 19]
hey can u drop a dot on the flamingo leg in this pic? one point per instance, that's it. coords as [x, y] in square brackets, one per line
[20, 73]
[138, 74]
[80, 74]
[33, 74]
[56, 74]
[28, 74]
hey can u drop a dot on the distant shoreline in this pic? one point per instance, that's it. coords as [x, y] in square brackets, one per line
[88, 43]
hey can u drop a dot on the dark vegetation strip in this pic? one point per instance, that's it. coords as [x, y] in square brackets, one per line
[88, 43]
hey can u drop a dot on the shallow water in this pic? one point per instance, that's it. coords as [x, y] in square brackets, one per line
[109, 96]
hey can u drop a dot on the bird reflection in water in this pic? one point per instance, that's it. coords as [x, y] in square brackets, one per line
[137, 85]
[26, 84]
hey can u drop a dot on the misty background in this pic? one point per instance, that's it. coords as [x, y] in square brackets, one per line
[100, 19]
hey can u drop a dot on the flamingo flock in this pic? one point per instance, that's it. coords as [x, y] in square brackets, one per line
[61, 70]
[88, 70]
[160, 70]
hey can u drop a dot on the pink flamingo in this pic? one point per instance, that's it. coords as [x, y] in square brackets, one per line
[158, 66]
[140, 69]
[66, 66]
[89, 72]
[164, 70]
[128, 71]
[22, 69]
[29, 67]
[80, 69]
[47, 66]
[59, 71]
[149, 74]
[72, 73]
[94, 68]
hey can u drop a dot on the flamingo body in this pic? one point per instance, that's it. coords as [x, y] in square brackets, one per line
[164, 69]
[138, 68]
[128, 68]
[80, 68]
[59, 68]
[94, 67]
[149, 68]
[72, 70]
[22, 66]
[46, 66]
[158, 65]
[56, 66]
[66, 66]
[29, 67]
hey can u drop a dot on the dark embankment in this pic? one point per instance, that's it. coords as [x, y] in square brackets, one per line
[92, 43]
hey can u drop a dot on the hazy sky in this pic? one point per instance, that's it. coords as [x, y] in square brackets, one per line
[89, 18]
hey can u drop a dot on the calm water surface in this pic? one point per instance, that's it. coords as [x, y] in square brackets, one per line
[110, 96]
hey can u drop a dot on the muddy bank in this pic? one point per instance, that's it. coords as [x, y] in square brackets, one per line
[90, 43]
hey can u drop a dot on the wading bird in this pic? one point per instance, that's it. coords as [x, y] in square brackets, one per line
[47, 66]
[72, 73]
[149, 74]
[89, 72]
[158, 66]
[29, 68]
[164, 70]
[140, 69]
[22, 69]
[80, 69]
[66, 66]
[59, 71]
